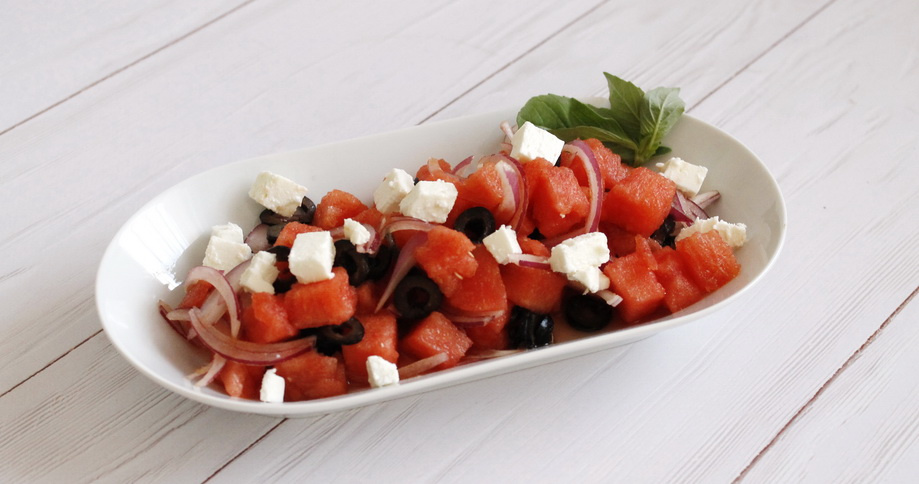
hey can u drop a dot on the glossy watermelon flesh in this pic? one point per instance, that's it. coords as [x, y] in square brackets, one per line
[321, 303]
[312, 375]
[437, 334]
[335, 207]
[380, 339]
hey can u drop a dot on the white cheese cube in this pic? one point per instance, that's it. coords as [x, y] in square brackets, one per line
[580, 258]
[381, 372]
[356, 232]
[502, 243]
[261, 273]
[230, 232]
[225, 249]
[277, 193]
[531, 142]
[311, 257]
[688, 177]
[395, 186]
[430, 201]
[272, 390]
[734, 234]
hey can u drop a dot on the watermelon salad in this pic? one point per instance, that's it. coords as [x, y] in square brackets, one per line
[449, 265]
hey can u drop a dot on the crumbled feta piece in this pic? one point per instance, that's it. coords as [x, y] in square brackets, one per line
[277, 193]
[356, 232]
[261, 273]
[687, 177]
[395, 186]
[502, 243]
[311, 257]
[580, 258]
[531, 142]
[734, 234]
[380, 372]
[272, 390]
[230, 231]
[430, 201]
[225, 249]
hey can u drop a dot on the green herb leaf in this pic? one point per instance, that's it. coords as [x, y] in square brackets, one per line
[569, 118]
[661, 109]
[625, 100]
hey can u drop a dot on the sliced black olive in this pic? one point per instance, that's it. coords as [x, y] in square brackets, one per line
[274, 231]
[355, 263]
[271, 217]
[587, 312]
[417, 296]
[330, 339]
[379, 263]
[527, 329]
[663, 234]
[281, 252]
[305, 211]
[536, 235]
[283, 285]
[476, 222]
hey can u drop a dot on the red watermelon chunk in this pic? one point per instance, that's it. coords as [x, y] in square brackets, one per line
[539, 290]
[491, 335]
[640, 202]
[332, 301]
[557, 201]
[632, 279]
[265, 320]
[709, 259]
[672, 273]
[335, 207]
[437, 334]
[446, 257]
[483, 291]
[290, 232]
[195, 295]
[312, 375]
[242, 381]
[380, 339]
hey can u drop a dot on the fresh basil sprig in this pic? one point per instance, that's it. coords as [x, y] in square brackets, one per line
[633, 126]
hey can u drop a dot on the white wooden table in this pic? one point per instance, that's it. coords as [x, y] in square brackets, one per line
[812, 377]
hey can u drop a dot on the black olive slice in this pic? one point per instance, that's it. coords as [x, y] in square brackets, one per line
[417, 296]
[274, 231]
[305, 211]
[354, 263]
[379, 263]
[663, 234]
[527, 329]
[587, 312]
[281, 252]
[476, 222]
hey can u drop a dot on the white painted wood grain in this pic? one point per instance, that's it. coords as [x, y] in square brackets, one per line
[51, 49]
[864, 427]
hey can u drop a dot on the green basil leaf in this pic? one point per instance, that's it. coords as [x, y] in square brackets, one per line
[660, 111]
[662, 150]
[554, 112]
[585, 132]
[625, 100]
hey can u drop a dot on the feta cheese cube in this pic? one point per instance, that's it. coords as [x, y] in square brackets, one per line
[430, 201]
[531, 142]
[734, 234]
[580, 258]
[688, 177]
[261, 273]
[356, 232]
[395, 186]
[381, 372]
[311, 257]
[272, 390]
[225, 249]
[277, 193]
[230, 231]
[502, 243]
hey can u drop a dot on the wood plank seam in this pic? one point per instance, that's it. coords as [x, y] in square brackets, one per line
[809, 403]
[763, 53]
[513, 61]
[48, 365]
[129, 65]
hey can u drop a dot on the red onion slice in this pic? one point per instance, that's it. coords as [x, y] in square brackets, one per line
[704, 199]
[258, 238]
[421, 366]
[397, 224]
[210, 371]
[684, 210]
[224, 296]
[460, 168]
[529, 260]
[404, 263]
[244, 351]
[489, 354]
[513, 171]
[585, 155]
[174, 319]
[610, 297]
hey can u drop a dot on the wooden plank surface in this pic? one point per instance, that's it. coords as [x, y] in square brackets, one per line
[788, 383]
